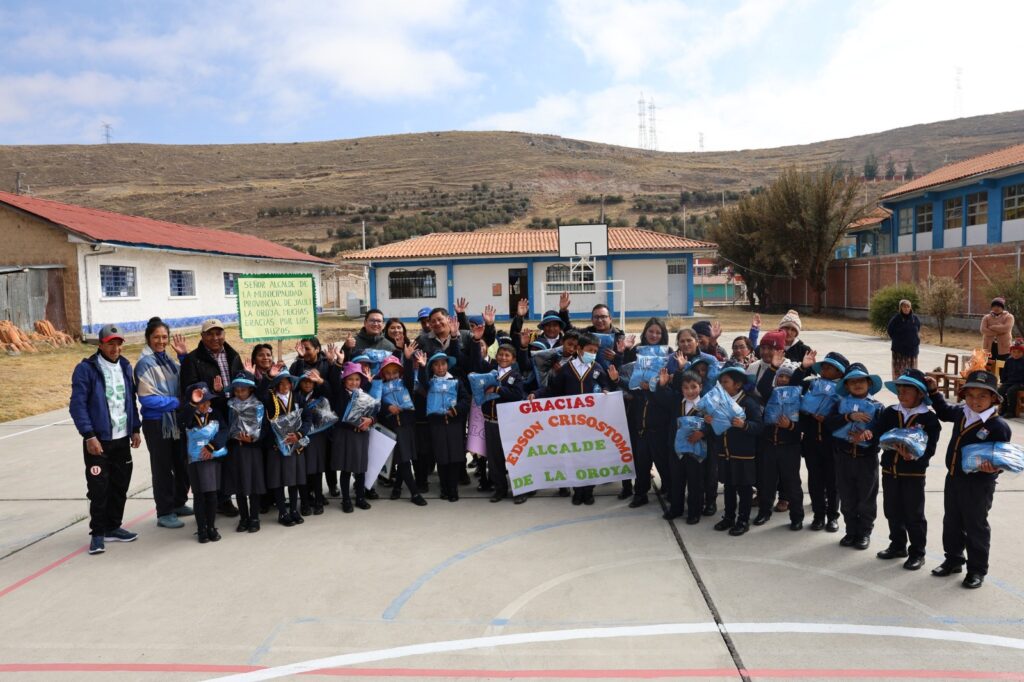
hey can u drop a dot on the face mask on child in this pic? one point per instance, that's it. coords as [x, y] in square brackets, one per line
[588, 358]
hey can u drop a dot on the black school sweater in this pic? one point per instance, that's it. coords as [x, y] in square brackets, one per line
[995, 430]
[892, 463]
[835, 421]
[741, 443]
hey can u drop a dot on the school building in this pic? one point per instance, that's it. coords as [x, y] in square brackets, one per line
[964, 220]
[81, 268]
[499, 267]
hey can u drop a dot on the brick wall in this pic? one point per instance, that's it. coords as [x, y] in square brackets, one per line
[852, 282]
[31, 241]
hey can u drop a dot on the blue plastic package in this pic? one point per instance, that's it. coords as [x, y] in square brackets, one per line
[849, 405]
[722, 408]
[377, 356]
[395, 393]
[657, 351]
[646, 370]
[914, 441]
[1005, 456]
[785, 400]
[820, 398]
[376, 389]
[198, 439]
[479, 383]
[684, 427]
[442, 395]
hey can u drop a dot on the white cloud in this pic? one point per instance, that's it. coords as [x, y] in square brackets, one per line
[29, 98]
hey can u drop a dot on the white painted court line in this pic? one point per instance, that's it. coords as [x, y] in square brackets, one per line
[626, 631]
[37, 428]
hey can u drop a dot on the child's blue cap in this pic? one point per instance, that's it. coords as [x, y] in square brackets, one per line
[362, 357]
[837, 360]
[244, 379]
[911, 377]
[733, 368]
[441, 356]
[201, 386]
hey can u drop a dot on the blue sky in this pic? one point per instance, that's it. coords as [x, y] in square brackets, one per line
[745, 73]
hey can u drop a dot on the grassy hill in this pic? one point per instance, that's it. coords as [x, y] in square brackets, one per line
[317, 193]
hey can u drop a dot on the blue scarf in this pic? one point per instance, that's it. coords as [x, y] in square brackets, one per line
[157, 374]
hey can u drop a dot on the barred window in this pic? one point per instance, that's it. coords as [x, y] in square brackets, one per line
[924, 218]
[977, 208]
[558, 277]
[229, 283]
[1013, 202]
[677, 267]
[906, 220]
[118, 281]
[954, 213]
[183, 283]
[421, 283]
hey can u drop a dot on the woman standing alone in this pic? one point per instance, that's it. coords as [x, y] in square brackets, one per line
[905, 331]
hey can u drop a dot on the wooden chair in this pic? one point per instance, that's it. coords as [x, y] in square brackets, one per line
[951, 364]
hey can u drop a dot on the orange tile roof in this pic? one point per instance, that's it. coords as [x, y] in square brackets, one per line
[514, 242]
[874, 218]
[105, 226]
[978, 165]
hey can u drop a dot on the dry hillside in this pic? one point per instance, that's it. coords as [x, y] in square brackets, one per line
[296, 192]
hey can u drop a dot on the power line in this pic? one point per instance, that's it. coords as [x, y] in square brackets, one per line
[652, 127]
[106, 132]
[641, 107]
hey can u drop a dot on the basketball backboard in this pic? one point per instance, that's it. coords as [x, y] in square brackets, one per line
[582, 241]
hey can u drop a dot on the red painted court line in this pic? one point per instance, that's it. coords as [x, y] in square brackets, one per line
[64, 559]
[644, 674]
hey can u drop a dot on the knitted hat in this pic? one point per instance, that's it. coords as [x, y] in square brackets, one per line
[786, 369]
[244, 378]
[1018, 344]
[702, 328]
[774, 340]
[791, 319]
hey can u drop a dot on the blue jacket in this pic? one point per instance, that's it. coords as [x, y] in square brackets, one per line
[88, 405]
[905, 330]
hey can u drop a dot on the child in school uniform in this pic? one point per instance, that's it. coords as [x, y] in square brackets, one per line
[857, 457]
[686, 491]
[651, 419]
[1011, 378]
[403, 424]
[509, 390]
[311, 387]
[779, 458]
[447, 431]
[903, 477]
[816, 445]
[285, 472]
[205, 474]
[350, 444]
[247, 466]
[700, 364]
[967, 497]
[737, 452]
[580, 375]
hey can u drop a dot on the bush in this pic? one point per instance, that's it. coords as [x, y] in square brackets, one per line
[886, 303]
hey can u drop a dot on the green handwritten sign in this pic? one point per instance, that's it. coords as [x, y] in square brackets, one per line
[276, 306]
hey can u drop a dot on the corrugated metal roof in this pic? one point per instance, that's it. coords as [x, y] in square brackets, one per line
[514, 242]
[117, 228]
[961, 170]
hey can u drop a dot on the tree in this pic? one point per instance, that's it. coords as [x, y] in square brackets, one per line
[871, 167]
[890, 169]
[808, 213]
[746, 245]
[941, 298]
[908, 174]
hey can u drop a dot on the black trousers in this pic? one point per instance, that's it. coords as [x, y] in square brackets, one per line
[778, 466]
[903, 505]
[404, 475]
[967, 500]
[857, 482]
[107, 478]
[651, 448]
[496, 470]
[1009, 393]
[167, 464]
[686, 486]
[709, 471]
[821, 478]
[425, 462]
[737, 502]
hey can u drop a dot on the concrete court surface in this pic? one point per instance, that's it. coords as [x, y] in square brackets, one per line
[476, 590]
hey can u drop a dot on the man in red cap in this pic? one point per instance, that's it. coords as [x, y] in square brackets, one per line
[105, 413]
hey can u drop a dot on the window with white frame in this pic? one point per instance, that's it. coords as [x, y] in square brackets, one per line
[924, 218]
[229, 283]
[677, 267]
[954, 210]
[1013, 202]
[118, 281]
[558, 277]
[421, 283]
[183, 282]
[977, 208]
[906, 220]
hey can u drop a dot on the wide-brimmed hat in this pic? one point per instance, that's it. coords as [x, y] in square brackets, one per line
[858, 371]
[390, 361]
[910, 377]
[551, 316]
[733, 368]
[837, 360]
[281, 376]
[981, 379]
[441, 356]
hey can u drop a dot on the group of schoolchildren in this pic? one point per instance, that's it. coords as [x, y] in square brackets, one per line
[278, 455]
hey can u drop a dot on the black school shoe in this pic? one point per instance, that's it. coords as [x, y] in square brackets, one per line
[833, 525]
[762, 518]
[891, 552]
[297, 517]
[577, 499]
[946, 568]
[638, 501]
[418, 501]
[913, 563]
[346, 506]
[692, 520]
[362, 503]
[739, 529]
[588, 499]
[862, 542]
[485, 487]
[243, 526]
[847, 540]
[454, 497]
[563, 492]
[627, 490]
[285, 519]
[973, 580]
[710, 509]
[724, 524]
[796, 524]
[818, 523]
[305, 510]
[396, 493]
[202, 536]
[497, 497]
[318, 510]
[372, 494]
[214, 535]
[519, 499]
[254, 526]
